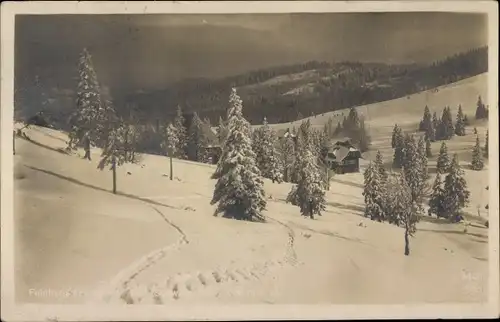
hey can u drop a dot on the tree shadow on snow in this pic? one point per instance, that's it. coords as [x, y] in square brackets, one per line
[434, 220]
[348, 183]
[454, 232]
[326, 233]
[118, 193]
[359, 210]
[58, 150]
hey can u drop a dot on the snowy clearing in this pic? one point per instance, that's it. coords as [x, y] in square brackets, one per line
[157, 241]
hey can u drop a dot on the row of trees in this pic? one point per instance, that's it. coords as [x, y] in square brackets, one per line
[96, 122]
[446, 200]
[248, 156]
[393, 197]
[443, 128]
[398, 198]
[407, 152]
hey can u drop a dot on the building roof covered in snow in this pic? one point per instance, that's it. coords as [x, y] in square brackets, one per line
[342, 149]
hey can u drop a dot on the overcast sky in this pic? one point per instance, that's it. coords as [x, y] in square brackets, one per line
[132, 52]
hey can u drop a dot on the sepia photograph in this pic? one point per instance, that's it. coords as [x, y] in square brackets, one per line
[159, 156]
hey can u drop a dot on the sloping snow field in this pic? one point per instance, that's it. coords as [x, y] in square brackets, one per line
[157, 240]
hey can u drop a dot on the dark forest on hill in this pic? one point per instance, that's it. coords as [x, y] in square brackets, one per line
[327, 86]
[281, 94]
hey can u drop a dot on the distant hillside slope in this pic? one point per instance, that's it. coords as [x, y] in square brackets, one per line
[409, 109]
[287, 93]
[407, 113]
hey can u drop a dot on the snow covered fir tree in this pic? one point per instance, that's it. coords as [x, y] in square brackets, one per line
[436, 199]
[460, 122]
[308, 194]
[443, 161]
[398, 143]
[88, 113]
[181, 134]
[456, 194]
[477, 163]
[481, 110]
[264, 144]
[170, 143]
[374, 193]
[239, 191]
[115, 148]
[400, 208]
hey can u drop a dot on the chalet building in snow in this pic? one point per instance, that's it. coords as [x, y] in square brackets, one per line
[343, 157]
[212, 148]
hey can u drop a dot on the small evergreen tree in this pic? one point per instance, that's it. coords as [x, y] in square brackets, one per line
[460, 122]
[426, 122]
[443, 161]
[239, 190]
[403, 211]
[182, 138]
[399, 150]
[436, 200]
[481, 111]
[413, 170]
[477, 163]
[407, 142]
[114, 151]
[456, 194]
[267, 157]
[447, 128]
[308, 193]
[89, 104]
[373, 193]
[170, 143]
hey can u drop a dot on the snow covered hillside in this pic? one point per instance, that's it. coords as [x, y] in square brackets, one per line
[157, 241]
